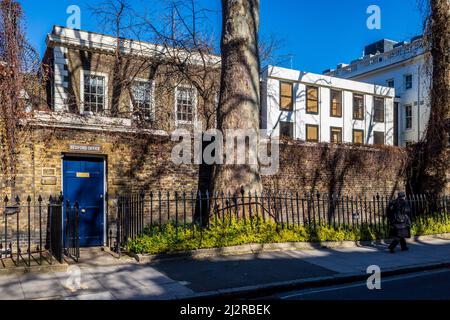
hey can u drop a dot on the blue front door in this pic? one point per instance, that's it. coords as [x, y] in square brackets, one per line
[83, 181]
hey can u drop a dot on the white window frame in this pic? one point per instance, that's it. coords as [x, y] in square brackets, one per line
[84, 73]
[412, 119]
[153, 91]
[374, 109]
[194, 107]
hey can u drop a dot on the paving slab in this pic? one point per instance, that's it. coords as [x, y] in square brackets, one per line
[89, 285]
[239, 271]
[353, 260]
[11, 288]
[38, 286]
[149, 276]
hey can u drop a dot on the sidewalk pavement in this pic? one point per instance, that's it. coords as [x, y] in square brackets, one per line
[104, 277]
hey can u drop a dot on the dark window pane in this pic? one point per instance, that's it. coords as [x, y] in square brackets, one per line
[286, 129]
[408, 117]
[378, 138]
[358, 107]
[378, 109]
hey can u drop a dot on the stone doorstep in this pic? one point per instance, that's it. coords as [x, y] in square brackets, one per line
[270, 247]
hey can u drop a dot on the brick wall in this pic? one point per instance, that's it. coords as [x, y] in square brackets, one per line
[135, 163]
[349, 170]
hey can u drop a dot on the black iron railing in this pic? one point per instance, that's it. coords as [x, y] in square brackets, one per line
[31, 231]
[55, 235]
[72, 244]
[138, 211]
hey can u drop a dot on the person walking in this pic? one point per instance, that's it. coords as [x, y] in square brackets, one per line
[400, 223]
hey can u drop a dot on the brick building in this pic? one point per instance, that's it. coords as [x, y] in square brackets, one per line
[111, 105]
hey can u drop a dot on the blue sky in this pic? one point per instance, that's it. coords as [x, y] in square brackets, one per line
[319, 34]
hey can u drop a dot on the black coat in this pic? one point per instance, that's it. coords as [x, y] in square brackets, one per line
[400, 229]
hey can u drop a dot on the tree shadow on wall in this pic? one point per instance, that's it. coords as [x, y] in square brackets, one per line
[338, 170]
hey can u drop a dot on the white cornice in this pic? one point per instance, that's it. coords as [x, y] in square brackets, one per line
[63, 120]
[307, 78]
[95, 41]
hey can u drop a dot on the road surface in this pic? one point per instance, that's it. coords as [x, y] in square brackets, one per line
[430, 285]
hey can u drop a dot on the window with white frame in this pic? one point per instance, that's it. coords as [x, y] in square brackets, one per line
[408, 81]
[94, 95]
[358, 106]
[378, 114]
[143, 99]
[408, 117]
[185, 104]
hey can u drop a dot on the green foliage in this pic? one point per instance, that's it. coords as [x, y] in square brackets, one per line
[431, 225]
[232, 233]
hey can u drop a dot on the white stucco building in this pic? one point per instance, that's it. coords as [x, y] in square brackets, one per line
[318, 108]
[403, 66]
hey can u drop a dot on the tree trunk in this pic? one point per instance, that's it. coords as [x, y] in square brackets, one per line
[239, 93]
[436, 160]
[11, 106]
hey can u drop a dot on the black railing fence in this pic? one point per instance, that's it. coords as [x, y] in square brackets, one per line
[72, 245]
[31, 230]
[138, 212]
[55, 225]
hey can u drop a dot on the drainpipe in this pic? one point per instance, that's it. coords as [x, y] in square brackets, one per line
[418, 103]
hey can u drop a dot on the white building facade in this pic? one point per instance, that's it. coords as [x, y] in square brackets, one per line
[318, 108]
[405, 67]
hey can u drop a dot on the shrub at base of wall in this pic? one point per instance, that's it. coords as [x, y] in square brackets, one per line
[232, 233]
